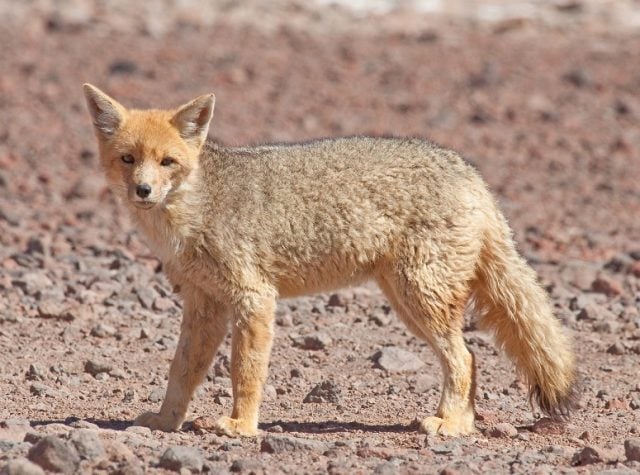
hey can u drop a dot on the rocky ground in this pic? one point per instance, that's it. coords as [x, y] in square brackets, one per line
[546, 106]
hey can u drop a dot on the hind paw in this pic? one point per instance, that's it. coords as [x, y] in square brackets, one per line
[452, 426]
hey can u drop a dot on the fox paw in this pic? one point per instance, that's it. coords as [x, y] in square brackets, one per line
[235, 427]
[155, 421]
[451, 427]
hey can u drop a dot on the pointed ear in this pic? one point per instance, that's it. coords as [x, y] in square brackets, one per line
[107, 113]
[192, 120]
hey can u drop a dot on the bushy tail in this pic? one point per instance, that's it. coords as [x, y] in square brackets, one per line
[512, 303]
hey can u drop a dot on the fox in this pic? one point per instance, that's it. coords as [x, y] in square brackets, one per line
[237, 228]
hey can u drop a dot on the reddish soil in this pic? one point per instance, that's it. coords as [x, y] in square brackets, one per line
[549, 114]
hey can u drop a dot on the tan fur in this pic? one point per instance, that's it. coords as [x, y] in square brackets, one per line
[239, 227]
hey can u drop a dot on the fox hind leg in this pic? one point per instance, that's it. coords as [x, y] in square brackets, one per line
[435, 314]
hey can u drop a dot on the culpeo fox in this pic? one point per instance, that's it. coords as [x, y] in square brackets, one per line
[237, 228]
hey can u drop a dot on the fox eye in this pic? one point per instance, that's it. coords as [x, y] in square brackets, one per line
[167, 161]
[128, 158]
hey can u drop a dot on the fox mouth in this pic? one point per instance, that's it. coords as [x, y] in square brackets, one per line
[144, 204]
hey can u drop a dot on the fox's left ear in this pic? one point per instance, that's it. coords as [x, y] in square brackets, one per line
[192, 120]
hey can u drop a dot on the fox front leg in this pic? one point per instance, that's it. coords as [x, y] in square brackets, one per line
[204, 325]
[252, 337]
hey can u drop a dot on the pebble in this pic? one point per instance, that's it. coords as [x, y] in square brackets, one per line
[88, 444]
[21, 466]
[336, 300]
[34, 373]
[277, 444]
[53, 454]
[632, 449]
[178, 458]
[102, 330]
[394, 359]
[156, 395]
[55, 310]
[14, 429]
[548, 426]
[587, 456]
[94, 367]
[616, 349]
[162, 304]
[39, 389]
[502, 430]
[593, 311]
[314, 342]
[607, 285]
[247, 465]
[326, 391]
[617, 405]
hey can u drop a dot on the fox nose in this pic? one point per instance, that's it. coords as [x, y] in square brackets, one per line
[143, 190]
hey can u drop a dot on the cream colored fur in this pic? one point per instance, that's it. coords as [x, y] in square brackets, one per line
[238, 228]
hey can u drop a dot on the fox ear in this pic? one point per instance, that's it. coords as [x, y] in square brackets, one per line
[192, 119]
[107, 113]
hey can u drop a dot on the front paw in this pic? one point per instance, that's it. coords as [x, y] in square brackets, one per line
[235, 427]
[155, 421]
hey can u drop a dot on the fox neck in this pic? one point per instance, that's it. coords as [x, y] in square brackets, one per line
[172, 226]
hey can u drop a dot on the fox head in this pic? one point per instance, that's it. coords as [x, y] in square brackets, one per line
[148, 154]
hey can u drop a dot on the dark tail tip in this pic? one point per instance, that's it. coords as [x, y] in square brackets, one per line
[558, 408]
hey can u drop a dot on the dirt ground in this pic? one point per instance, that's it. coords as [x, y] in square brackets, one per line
[544, 100]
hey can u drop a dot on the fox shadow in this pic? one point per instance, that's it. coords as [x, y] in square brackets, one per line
[321, 427]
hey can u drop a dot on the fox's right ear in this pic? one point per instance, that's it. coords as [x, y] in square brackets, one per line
[107, 113]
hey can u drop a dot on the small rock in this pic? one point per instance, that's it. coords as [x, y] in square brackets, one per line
[381, 316]
[21, 466]
[34, 373]
[587, 456]
[162, 304]
[578, 77]
[32, 283]
[88, 444]
[222, 366]
[38, 389]
[548, 426]
[53, 454]
[122, 67]
[632, 449]
[55, 310]
[326, 391]
[593, 311]
[178, 458]
[279, 444]
[96, 367]
[616, 349]
[617, 405]
[249, 465]
[14, 430]
[269, 392]
[156, 395]
[394, 359]
[316, 341]
[102, 330]
[336, 300]
[502, 430]
[146, 296]
[607, 285]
